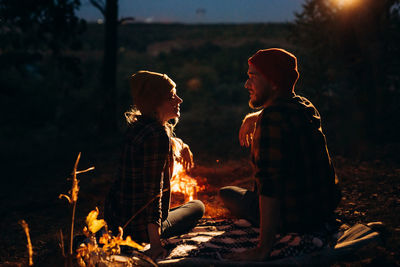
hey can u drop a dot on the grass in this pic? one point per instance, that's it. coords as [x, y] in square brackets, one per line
[370, 191]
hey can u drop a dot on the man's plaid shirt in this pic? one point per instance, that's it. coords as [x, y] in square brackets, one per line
[143, 176]
[292, 163]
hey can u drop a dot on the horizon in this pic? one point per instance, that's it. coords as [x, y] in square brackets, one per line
[199, 11]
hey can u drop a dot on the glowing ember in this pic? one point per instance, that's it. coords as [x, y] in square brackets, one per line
[183, 183]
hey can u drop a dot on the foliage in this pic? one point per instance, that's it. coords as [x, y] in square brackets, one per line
[38, 25]
[72, 198]
[350, 54]
[37, 76]
[93, 253]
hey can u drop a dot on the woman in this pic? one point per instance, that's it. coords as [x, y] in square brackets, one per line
[142, 184]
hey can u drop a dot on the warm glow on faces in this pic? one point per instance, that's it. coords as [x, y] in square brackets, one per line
[169, 109]
[259, 88]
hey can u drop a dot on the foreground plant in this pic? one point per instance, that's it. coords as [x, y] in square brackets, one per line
[107, 249]
[72, 198]
[29, 243]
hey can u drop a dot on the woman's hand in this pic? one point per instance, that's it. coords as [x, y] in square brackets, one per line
[247, 129]
[182, 153]
[186, 157]
[156, 252]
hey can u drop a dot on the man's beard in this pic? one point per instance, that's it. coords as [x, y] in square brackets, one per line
[262, 97]
[258, 102]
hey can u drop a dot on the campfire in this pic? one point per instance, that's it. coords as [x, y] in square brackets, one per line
[183, 187]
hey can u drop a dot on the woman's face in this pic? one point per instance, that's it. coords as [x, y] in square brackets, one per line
[169, 109]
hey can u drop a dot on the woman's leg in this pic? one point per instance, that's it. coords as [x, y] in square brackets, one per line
[241, 202]
[183, 218]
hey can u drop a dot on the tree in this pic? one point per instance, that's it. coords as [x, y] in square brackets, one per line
[109, 9]
[34, 30]
[353, 47]
[38, 25]
[33, 36]
[38, 74]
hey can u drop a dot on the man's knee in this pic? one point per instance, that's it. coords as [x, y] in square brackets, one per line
[225, 192]
[229, 193]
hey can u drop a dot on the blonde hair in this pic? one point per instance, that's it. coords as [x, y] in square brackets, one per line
[149, 90]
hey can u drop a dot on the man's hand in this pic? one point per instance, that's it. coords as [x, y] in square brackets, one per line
[186, 158]
[247, 129]
[156, 252]
[254, 254]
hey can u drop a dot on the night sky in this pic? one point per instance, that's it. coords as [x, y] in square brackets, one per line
[200, 11]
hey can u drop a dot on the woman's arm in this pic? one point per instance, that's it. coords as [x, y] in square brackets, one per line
[155, 150]
[156, 249]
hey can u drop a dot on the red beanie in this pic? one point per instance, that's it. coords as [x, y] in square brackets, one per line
[277, 65]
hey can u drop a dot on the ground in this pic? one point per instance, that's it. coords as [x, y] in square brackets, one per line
[371, 192]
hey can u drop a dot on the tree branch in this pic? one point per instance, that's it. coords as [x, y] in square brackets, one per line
[99, 4]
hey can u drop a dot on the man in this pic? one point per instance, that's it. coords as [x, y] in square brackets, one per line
[295, 188]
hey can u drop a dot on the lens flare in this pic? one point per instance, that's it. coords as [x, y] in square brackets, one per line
[345, 3]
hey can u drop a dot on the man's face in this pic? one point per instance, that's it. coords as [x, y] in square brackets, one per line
[259, 88]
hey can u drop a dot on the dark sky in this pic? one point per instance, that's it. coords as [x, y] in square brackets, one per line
[201, 11]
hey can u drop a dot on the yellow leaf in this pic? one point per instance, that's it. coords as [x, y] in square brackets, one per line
[129, 242]
[67, 197]
[93, 224]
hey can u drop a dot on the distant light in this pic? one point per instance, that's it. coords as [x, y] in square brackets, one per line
[345, 3]
[100, 21]
[149, 20]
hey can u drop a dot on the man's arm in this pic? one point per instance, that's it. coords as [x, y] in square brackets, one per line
[269, 173]
[269, 219]
[247, 128]
[268, 162]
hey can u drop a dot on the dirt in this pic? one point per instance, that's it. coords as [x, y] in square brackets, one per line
[371, 192]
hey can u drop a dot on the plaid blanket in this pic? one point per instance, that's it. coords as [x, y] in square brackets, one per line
[209, 242]
[214, 239]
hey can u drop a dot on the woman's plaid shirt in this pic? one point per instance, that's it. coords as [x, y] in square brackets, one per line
[143, 176]
[292, 163]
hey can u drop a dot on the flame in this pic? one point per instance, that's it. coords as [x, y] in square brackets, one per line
[181, 182]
